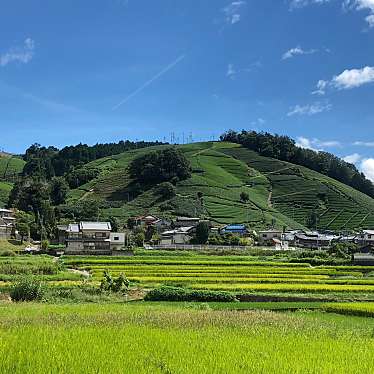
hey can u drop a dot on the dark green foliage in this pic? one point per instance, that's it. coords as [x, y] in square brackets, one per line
[285, 149]
[84, 210]
[160, 166]
[114, 223]
[110, 284]
[139, 239]
[78, 177]
[7, 253]
[244, 197]
[166, 190]
[49, 162]
[27, 288]
[59, 190]
[202, 232]
[167, 293]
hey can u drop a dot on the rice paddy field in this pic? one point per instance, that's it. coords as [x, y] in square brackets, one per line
[242, 275]
[170, 338]
[309, 324]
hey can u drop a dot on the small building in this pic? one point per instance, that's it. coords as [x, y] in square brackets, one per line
[234, 229]
[88, 238]
[6, 229]
[147, 220]
[181, 235]
[366, 238]
[363, 259]
[186, 222]
[313, 240]
[117, 241]
[265, 237]
[7, 223]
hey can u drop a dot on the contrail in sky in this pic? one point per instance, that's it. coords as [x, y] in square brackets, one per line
[145, 85]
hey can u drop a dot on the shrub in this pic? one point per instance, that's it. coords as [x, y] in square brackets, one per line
[7, 253]
[166, 190]
[27, 288]
[114, 285]
[167, 293]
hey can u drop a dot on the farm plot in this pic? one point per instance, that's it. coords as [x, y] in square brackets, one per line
[236, 274]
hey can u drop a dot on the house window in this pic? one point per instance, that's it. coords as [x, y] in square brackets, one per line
[116, 238]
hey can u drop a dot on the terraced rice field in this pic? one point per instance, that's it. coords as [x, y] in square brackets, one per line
[239, 274]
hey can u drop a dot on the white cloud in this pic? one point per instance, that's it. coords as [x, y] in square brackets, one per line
[232, 11]
[309, 109]
[365, 5]
[321, 87]
[316, 144]
[354, 78]
[352, 159]
[294, 4]
[367, 167]
[22, 54]
[364, 144]
[258, 122]
[348, 79]
[297, 51]
[231, 72]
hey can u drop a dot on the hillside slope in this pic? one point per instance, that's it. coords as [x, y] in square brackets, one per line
[10, 167]
[279, 192]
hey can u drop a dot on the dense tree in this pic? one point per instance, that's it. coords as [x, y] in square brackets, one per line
[202, 232]
[244, 197]
[160, 166]
[285, 149]
[59, 190]
[166, 190]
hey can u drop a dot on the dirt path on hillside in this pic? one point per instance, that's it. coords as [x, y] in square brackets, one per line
[270, 204]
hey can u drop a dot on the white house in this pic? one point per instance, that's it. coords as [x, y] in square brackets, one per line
[181, 235]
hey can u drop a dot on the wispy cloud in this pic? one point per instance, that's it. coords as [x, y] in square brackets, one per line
[295, 4]
[232, 12]
[22, 54]
[146, 84]
[297, 51]
[309, 109]
[348, 79]
[361, 5]
[316, 144]
[233, 71]
[352, 159]
[364, 144]
[347, 5]
[258, 122]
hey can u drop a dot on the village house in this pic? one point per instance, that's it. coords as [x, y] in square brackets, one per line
[234, 229]
[366, 238]
[181, 235]
[7, 223]
[150, 220]
[186, 222]
[90, 238]
[313, 240]
[266, 237]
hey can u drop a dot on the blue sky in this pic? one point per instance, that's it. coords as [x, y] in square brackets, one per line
[94, 71]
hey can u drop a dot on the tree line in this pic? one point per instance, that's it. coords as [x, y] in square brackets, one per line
[284, 148]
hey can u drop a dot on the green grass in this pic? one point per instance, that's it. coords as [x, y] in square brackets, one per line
[157, 338]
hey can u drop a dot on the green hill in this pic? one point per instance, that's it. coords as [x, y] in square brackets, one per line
[10, 167]
[281, 192]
